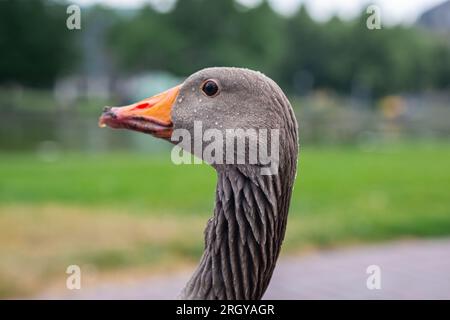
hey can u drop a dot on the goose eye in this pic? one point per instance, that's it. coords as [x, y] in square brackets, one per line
[210, 88]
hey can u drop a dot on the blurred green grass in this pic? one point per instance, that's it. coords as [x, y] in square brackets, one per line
[138, 181]
[343, 195]
[395, 188]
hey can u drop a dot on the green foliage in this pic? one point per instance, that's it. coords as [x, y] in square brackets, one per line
[298, 52]
[197, 34]
[35, 44]
[344, 56]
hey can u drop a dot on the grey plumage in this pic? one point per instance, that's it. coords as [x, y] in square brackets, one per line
[244, 236]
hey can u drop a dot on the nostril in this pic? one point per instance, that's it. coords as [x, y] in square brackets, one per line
[107, 112]
[111, 114]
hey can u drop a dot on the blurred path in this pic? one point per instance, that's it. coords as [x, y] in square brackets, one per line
[409, 270]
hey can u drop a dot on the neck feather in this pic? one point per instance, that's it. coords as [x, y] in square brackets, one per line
[243, 238]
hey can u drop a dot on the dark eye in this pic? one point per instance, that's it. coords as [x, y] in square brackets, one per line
[210, 88]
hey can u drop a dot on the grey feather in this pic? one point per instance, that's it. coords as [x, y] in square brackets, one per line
[244, 237]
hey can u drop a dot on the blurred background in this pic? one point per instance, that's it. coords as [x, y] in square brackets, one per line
[373, 108]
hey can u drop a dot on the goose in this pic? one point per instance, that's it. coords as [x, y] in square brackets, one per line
[243, 238]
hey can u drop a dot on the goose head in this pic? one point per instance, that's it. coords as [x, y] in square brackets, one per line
[244, 236]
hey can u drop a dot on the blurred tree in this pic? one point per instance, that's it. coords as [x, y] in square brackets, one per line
[298, 52]
[145, 41]
[35, 44]
[343, 55]
[197, 34]
[393, 59]
[258, 41]
[441, 64]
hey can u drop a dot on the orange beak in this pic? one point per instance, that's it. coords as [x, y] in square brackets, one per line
[151, 115]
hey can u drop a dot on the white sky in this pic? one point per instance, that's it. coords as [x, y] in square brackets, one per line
[392, 11]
